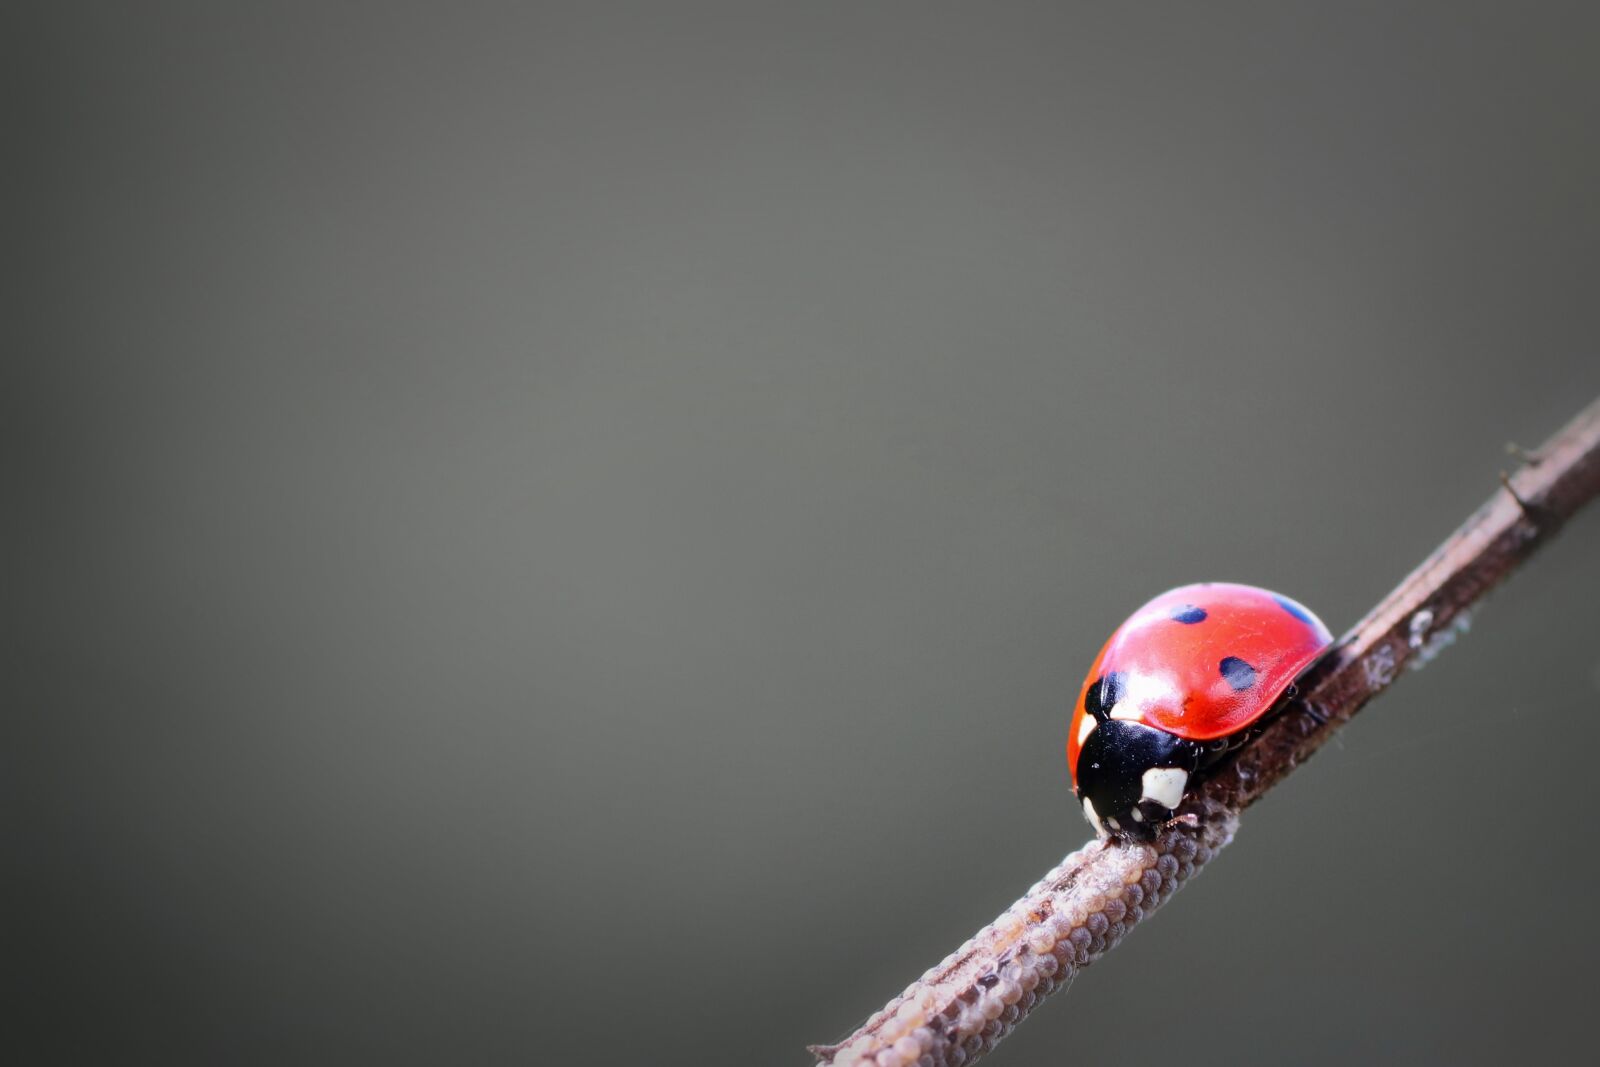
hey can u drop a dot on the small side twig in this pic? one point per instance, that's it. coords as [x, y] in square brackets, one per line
[961, 1008]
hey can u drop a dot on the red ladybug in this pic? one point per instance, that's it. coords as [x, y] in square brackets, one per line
[1176, 686]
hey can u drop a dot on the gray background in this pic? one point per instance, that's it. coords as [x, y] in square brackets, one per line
[568, 534]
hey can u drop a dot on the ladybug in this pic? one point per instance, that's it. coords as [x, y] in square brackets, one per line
[1179, 684]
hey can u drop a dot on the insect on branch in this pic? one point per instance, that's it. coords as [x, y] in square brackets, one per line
[962, 1007]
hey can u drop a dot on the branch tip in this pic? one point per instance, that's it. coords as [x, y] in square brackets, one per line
[962, 1008]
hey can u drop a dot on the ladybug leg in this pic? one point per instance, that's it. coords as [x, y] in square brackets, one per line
[1304, 707]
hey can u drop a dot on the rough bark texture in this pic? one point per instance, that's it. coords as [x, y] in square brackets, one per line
[961, 1008]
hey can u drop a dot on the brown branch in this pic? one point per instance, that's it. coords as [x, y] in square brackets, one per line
[961, 1008]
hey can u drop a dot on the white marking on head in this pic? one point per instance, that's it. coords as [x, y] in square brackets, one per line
[1085, 728]
[1113, 823]
[1126, 710]
[1093, 817]
[1138, 816]
[1165, 785]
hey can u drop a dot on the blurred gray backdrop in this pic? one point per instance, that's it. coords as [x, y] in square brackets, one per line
[556, 534]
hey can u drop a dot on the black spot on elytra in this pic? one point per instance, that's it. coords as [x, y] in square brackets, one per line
[1293, 609]
[1189, 615]
[1237, 673]
[1103, 694]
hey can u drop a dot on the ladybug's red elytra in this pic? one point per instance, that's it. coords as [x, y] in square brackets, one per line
[1177, 685]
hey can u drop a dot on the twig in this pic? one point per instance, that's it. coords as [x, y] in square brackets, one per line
[960, 1009]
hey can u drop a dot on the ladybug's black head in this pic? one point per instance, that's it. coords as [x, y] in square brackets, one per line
[1131, 777]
